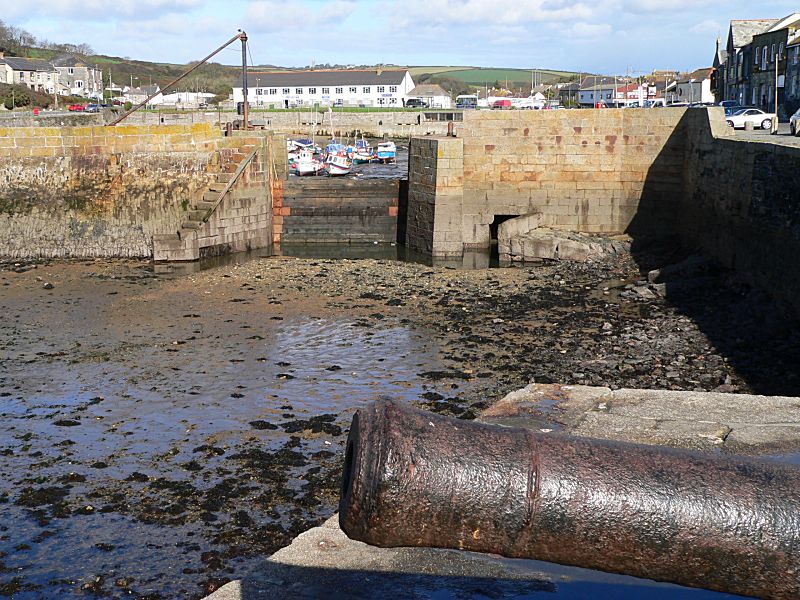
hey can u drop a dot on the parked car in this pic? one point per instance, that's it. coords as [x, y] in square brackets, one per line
[415, 103]
[76, 107]
[502, 104]
[794, 123]
[92, 108]
[756, 116]
[730, 104]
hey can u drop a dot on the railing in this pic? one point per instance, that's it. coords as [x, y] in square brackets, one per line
[237, 174]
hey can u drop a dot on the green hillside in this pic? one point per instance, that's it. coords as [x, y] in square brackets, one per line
[488, 76]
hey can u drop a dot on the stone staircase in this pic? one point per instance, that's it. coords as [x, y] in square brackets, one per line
[183, 244]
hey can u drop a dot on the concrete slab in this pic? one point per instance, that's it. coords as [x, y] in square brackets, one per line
[324, 563]
[709, 421]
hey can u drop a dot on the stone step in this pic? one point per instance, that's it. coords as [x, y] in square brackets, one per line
[192, 225]
[211, 196]
[216, 186]
[165, 239]
[224, 177]
[196, 215]
[203, 205]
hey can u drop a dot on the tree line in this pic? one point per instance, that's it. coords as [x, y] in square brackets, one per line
[15, 40]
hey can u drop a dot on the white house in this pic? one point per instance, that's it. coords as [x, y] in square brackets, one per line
[37, 75]
[433, 95]
[695, 87]
[349, 87]
[138, 95]
[187, 99]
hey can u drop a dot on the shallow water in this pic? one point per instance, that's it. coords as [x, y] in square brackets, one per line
[85, 429]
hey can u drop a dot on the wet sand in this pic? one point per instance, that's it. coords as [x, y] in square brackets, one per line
[162, 435]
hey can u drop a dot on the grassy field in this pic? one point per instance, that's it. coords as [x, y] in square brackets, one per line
[487, 76]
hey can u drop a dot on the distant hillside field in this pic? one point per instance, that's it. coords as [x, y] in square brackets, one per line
[486, 76]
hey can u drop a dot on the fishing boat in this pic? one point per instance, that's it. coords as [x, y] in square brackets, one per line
[338, 164]
[306, 163]
[360, 152]
[387, 152]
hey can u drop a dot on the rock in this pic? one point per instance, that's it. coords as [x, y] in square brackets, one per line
[48, 286]
[694, 266]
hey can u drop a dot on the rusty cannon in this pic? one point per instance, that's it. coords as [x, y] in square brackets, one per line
[418, 479]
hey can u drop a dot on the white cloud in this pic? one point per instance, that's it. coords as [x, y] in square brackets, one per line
[665, 6]
[709, 26]
[426, 12]
[590, 30]
[272, 15]
[104, 10]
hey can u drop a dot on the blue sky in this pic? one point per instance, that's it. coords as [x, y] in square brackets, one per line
[609, 36]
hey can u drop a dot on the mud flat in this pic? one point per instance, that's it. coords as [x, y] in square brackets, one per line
[163, 435]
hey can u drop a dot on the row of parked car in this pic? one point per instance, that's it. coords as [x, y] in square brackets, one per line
[93, 107]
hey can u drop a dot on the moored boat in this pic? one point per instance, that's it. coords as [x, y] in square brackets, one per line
[338, 164]
[306, 163]
[387, 152]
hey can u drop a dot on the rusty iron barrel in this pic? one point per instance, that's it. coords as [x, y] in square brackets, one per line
[722, 523]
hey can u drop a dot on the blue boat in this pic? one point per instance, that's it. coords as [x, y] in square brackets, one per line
[387, 152]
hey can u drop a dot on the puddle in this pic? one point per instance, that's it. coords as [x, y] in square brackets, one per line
[792, 458]
[471, 260]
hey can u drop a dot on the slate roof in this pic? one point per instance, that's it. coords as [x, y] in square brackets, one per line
[27, 64]
[427, 90]
[68, 60]
[320, 78]
[743, 31]
[697, 75]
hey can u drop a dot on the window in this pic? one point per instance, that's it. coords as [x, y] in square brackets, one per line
[366, 89]
[78, 84]
[381, 89]
[755, 55]
[326, 90]
[298, 91]
[285, 90]
[340, 90]
[22, 76]
[764, 57]
[312, 90]
[772, 54]
[273, 91]
[71, 71]
[780, 51]
[353, 90]
[393, 88]
[259, 92]
[392, 100]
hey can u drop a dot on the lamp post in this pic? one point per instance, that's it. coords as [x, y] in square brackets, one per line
[775, 119]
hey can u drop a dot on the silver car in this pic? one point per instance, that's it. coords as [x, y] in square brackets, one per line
[794, 123]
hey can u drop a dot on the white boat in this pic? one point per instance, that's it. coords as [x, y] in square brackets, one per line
[387, 152]
[338, 164]
[307, 164]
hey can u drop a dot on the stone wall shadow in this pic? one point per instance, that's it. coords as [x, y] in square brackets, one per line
[699, 200]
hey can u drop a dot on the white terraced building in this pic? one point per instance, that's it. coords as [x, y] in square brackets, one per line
[387, 88]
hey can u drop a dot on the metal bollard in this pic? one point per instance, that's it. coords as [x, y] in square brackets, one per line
[418, 479]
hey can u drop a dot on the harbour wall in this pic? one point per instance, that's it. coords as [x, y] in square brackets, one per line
[393, 124]
[102, 191]
[647, 173]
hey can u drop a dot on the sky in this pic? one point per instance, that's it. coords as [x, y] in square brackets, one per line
[599, 36]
